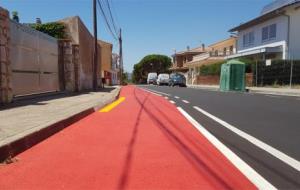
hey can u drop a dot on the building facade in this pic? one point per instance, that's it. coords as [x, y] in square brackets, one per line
[215, 53]
[272, 35]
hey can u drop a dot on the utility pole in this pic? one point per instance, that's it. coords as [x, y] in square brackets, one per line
[121, 57]
[95, 63]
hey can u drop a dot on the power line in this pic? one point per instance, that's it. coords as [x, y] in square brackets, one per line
[111, 16]
[106, 21]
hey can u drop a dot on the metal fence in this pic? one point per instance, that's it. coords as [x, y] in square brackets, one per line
[276, 73]
[34, 61]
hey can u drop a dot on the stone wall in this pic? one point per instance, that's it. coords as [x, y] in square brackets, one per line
[6, 94]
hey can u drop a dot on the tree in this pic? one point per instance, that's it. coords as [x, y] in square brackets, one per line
[15, 16]
[150, 63]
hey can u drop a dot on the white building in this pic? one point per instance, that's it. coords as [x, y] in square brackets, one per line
[275, 34]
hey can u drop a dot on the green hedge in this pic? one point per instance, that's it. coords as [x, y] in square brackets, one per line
[213, 69]
[54, 29]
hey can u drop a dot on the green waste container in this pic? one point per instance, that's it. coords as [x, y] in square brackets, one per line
[232, 76]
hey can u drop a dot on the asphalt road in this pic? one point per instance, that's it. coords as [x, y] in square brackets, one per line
[274, 120]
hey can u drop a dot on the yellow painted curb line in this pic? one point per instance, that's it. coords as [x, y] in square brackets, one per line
[112, 105]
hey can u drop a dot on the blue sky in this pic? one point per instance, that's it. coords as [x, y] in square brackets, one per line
[150, 26]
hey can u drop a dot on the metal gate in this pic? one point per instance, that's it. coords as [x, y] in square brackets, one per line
[34, 59]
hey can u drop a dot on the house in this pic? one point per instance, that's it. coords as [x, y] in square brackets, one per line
[215, 53]
[272, 35]
[180, 59]
[115, 69]
[106, 61]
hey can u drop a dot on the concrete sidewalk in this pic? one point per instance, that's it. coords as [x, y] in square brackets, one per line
[26, 117]
[260, 90]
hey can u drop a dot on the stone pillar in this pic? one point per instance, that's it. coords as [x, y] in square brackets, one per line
[67, 65]
[6, 94]
[75, 55]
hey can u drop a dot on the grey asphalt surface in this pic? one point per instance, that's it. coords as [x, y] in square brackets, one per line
[274, 120]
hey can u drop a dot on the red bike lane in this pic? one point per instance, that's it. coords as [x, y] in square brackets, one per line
[142, 143]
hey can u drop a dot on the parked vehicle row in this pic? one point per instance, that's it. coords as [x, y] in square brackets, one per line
[174, 79]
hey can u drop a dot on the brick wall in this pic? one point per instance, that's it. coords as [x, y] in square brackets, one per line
[215, 79]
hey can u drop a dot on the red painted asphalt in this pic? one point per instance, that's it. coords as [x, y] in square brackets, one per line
[143, 143]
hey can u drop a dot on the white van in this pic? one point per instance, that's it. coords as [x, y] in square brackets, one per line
[163, 79]
[151, 79]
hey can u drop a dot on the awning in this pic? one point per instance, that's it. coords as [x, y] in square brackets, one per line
[277, 49]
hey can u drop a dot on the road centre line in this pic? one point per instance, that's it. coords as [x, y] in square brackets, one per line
[176, 97]
[249, 172]
[274, 152]
[185, 101]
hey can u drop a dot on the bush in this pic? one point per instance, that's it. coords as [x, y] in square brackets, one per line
[213, 69]
[54, 29]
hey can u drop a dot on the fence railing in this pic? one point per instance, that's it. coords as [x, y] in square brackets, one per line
[278, 73]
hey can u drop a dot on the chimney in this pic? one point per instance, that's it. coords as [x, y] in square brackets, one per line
[38, 21]
[203, 47]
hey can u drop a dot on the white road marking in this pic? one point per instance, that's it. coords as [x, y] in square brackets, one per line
[276, 153]
[185, 101]
[177, 97]
[249, 172]
[157, 92]
[172, 101]
[273, 96]
[152, 92]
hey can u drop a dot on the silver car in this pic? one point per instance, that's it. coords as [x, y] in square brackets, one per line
[163, 79]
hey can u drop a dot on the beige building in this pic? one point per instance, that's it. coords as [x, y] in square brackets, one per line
[107, 71]
[80, 35]
[180, 59]
[214, 53]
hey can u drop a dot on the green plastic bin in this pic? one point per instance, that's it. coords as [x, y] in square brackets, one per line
[232, 76]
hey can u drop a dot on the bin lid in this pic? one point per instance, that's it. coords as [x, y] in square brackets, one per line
[234, 62]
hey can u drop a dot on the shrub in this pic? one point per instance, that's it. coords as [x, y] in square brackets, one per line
[54, 29]
[213, 69]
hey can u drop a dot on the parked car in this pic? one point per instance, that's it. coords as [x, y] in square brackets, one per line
[152, 78]
[163, 79]
[177, 79]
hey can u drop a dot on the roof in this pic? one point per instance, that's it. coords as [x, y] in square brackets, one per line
[270, 11]
[192, 51]
[222, 41]
[276, 5]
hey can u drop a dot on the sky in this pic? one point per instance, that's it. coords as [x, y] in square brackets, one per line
[149, 26]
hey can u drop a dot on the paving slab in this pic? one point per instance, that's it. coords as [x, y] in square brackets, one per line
[25, 117]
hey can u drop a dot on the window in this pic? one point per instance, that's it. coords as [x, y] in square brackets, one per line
[231, 50]
[224, 51]
[272, 29]
[269, 32]
[265, 33]
[248, 39]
